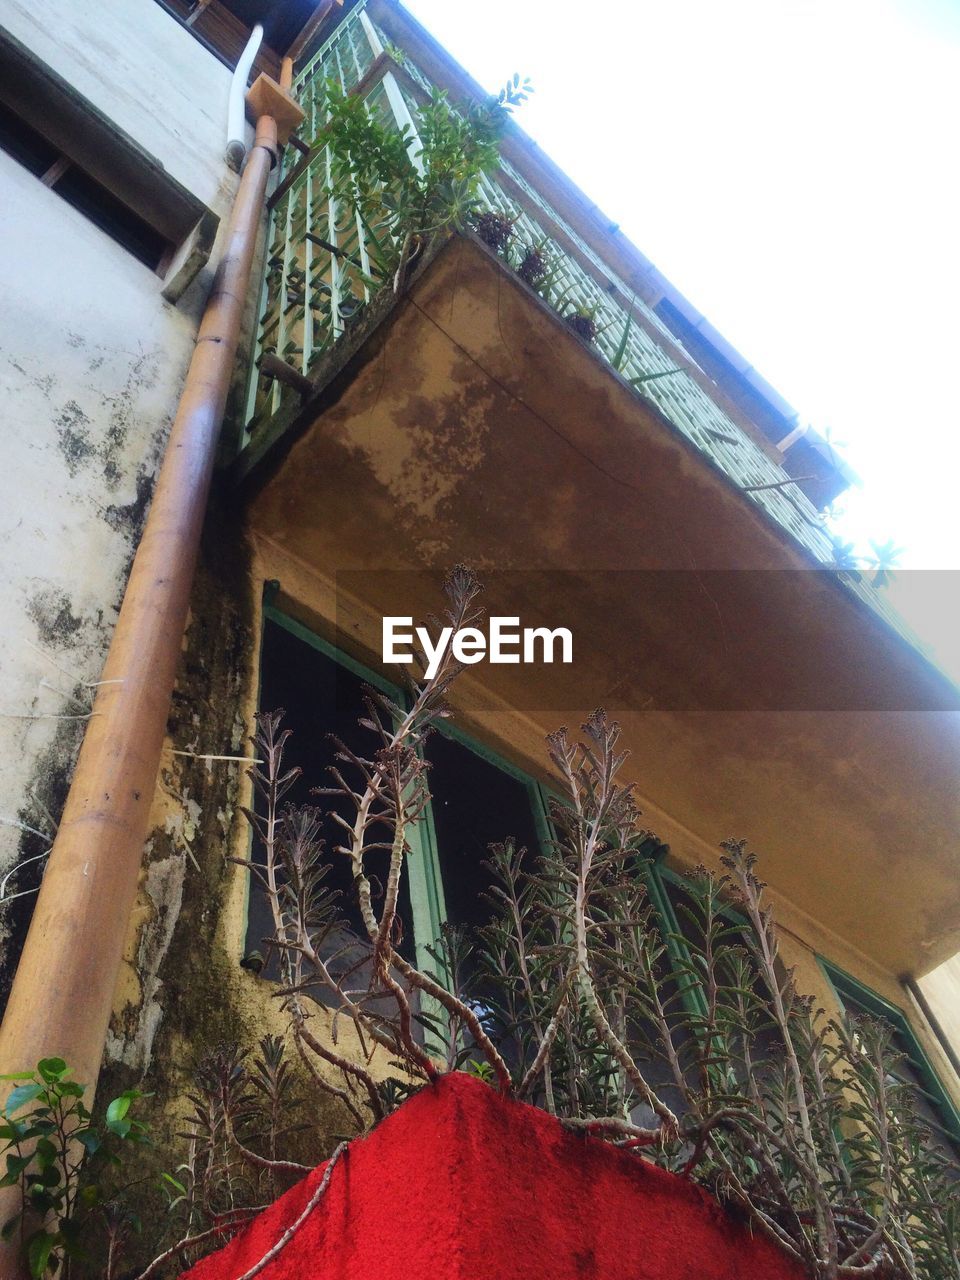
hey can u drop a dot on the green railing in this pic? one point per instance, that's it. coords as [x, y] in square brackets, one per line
[318, 279]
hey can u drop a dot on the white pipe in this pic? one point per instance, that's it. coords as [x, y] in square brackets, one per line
[236, 113]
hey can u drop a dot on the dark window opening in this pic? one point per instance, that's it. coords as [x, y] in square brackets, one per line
[25, 144]
[110, 214]
[88, 196]
[320, 697]
[475, 804]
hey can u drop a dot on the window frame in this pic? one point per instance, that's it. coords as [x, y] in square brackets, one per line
[93, 145]
[876, 1006]
[657, 876]
[110, 209]
[424, 879]
[844, 986]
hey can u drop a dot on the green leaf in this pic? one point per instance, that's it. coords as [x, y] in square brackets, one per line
[39, 1248]
[89, 1140]
[46, 1152]
[621, 351]
[652, 377]
[117, 1109]
[52, 1069]
[140, 1134]
[10, 1226]
[16, 1164]
[20, 1096]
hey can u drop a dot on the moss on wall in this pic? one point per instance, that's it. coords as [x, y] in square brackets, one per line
[195, 815]
[182, 991]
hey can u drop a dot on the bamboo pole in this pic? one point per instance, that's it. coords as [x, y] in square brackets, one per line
[311, 27]
[62, 994]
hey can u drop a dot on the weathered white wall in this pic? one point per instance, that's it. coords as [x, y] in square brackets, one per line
[138, 66]
[92, 361]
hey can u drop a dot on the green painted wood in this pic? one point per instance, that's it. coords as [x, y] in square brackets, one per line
[374, 678]
[656, 877]
[851, 991]
[423, 868]
[628, 328]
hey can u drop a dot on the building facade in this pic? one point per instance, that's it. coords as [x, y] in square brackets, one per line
[577, 433]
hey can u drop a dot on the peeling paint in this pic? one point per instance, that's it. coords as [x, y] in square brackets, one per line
[162, 889]
[165, 989]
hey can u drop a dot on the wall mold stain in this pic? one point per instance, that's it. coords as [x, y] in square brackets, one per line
[52, 612]
[128, 518]
[42, 806]
[73, 437]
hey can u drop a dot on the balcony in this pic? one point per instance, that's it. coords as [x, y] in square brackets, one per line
[318, 279]
[462, 418]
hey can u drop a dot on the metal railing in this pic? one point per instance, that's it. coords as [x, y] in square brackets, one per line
[318, 278]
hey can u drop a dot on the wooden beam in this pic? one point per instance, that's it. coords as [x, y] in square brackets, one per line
[195, 12]
[311, 27]
[287, 182]
[271, 366]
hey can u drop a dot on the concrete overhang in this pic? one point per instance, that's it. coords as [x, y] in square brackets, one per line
[759, 697]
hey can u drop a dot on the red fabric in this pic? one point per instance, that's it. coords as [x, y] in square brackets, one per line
[462, 1185]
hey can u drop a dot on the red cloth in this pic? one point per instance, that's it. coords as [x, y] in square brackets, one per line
[460, 1184]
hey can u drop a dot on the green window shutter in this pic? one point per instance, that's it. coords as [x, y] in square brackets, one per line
[935, 1104]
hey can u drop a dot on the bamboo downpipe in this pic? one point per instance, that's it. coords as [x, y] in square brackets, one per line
[62, 994]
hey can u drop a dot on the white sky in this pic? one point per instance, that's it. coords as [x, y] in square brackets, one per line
[792, 167]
